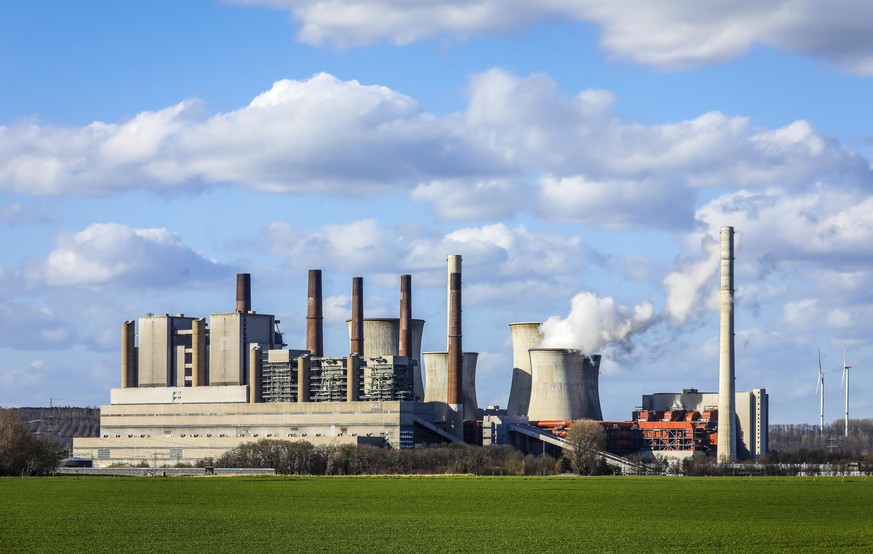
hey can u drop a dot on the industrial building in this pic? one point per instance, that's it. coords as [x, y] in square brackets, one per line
[191, 390]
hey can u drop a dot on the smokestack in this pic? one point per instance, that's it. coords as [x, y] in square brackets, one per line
[357, 328]
[455, 352]
[404, 342]
[315, 316]
[243, 292]
[454, 266]
[128, 354]
[727, 436]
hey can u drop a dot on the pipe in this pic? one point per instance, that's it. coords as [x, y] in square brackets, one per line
[303, 363]
[315, 316]
[243, 292]
[255, 375]
[128, 354]
[727, 436]
[404, 341]
[357, 330]
[353, 366]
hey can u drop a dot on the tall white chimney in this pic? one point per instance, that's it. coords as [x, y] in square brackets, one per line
[727, 434]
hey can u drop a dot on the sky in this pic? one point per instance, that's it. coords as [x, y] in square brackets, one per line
[580, 155]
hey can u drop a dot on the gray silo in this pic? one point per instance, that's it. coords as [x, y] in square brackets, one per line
[524, 337]
[564, 385]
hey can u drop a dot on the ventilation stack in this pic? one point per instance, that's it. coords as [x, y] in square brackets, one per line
[243, 293]
[524, 337]
[727, 436]
[356, 331]
[315, 316]
[564, 385]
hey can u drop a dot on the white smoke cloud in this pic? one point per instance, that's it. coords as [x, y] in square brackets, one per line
[688, 285]
[596, 322]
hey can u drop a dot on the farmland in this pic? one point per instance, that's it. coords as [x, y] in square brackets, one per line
[429, 514]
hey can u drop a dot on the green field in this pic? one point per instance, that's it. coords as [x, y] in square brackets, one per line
[435, 514]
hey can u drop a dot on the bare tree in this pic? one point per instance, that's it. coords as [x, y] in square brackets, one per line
[586, 438]
[22, 452]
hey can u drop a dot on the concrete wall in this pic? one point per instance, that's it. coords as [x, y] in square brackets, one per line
[189, 432]
[164, 345]
[178, 395]
[231, 337]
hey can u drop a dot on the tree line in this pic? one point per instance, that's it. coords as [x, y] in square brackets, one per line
[303, 458]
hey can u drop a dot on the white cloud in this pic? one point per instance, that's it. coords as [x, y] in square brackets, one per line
[520, 144]
[463, 200]
[499, 260]
[679, 34]
[110, 253]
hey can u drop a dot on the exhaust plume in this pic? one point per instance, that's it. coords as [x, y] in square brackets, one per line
[595, 322]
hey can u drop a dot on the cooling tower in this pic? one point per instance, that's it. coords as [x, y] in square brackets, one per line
[381, 338]
[468, 382]
[524, 337]
[438, 378]
[437, 367]
[727, 436]
[564, 385]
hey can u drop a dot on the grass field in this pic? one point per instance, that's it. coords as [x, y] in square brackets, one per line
[430, 514]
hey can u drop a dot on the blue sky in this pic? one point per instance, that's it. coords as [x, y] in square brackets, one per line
[580, 155]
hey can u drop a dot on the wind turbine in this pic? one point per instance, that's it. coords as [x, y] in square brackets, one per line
[820, 388]
[846, 368]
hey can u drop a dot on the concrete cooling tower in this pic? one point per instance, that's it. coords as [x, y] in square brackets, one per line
[381, 338]
[437, 366]
[564, 385]
[524, 337]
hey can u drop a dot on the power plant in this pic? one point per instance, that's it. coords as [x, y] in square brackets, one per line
[191, 390]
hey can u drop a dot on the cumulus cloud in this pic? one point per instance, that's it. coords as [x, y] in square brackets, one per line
[519, 144]
[496, 255]
[595, 322]
[670, 35]
[463, 200]
[111, 253]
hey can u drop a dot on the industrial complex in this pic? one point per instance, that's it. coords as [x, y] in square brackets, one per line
[192, 390]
